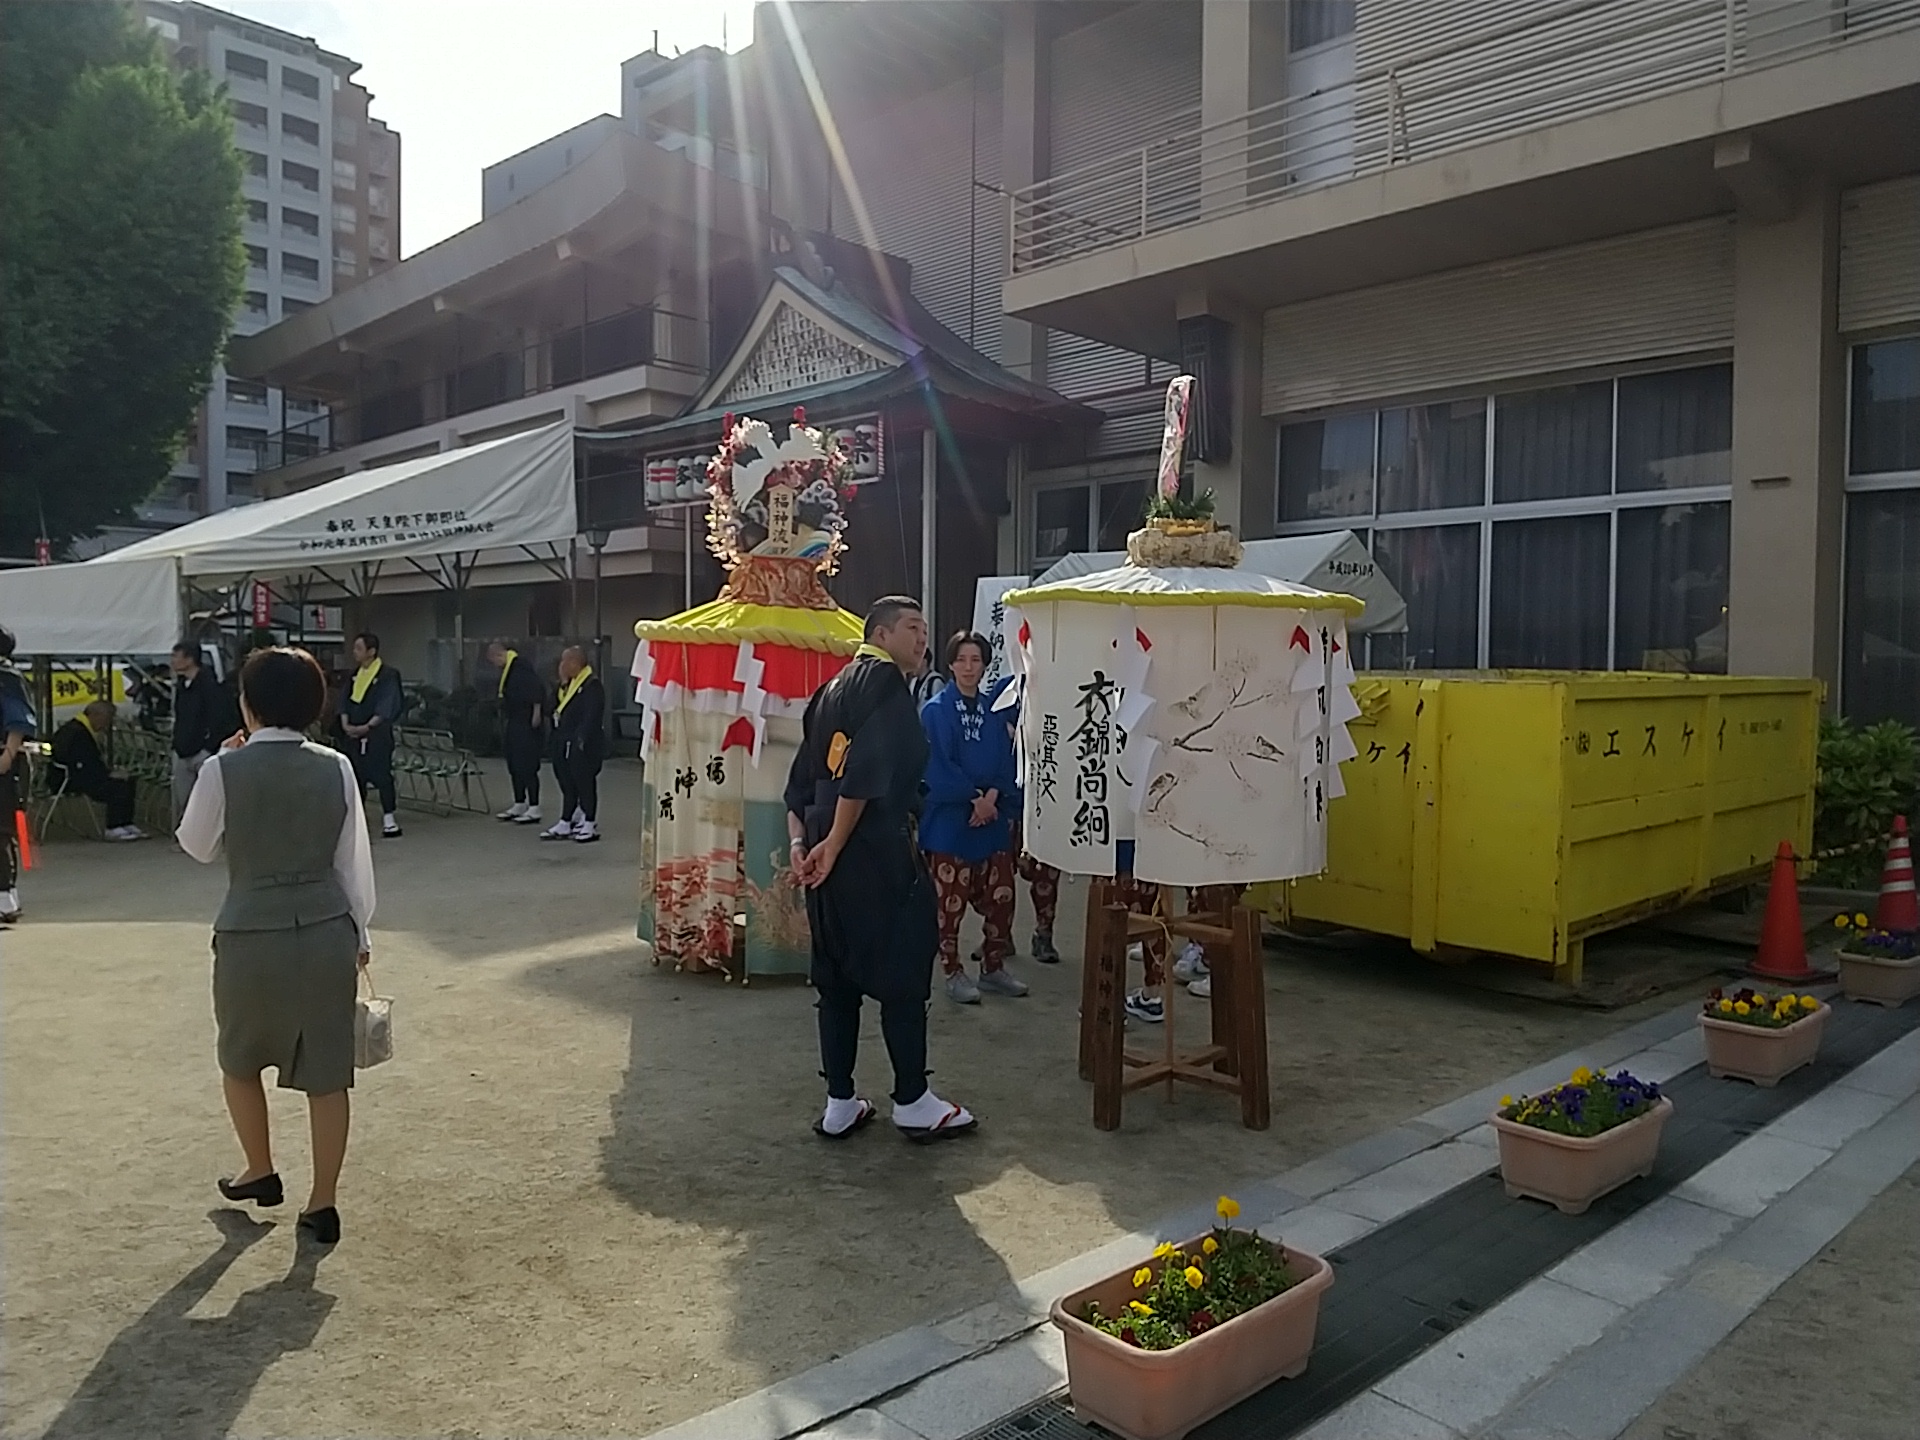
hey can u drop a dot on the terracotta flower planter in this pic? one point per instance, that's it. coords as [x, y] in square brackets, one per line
[1162, 1394]
[1571, 1171]
[1879, 980]
[1752, 1052]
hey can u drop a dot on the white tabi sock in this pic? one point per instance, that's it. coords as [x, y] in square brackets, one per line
[840, 1114]
[926, 1112]
[9, 901]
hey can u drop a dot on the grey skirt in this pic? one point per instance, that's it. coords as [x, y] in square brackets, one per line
[284, 998]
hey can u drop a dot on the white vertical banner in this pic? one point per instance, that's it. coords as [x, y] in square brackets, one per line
[1070, 736]
[990, 620]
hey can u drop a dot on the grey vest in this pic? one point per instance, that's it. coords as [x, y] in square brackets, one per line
[285, 806]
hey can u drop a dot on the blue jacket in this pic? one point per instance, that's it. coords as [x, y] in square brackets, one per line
[16, 712]
[970, 751]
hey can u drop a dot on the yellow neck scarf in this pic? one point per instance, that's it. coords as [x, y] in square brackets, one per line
[572, 686]
[512, 655]
[363, 679]
[870, 651]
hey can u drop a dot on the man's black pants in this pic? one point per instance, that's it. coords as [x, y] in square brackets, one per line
[903, 1025]
[13, 799]
[116, 793]
[372, 761]
[523, 764]
[579, 786]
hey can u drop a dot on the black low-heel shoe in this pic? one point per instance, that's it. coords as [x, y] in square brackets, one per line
[263, 1192]
[321, 1226]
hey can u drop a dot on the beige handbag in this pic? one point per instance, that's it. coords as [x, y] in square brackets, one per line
[372, 1026]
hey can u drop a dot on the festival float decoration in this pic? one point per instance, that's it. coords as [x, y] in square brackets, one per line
[1182, 723]
[724, 687]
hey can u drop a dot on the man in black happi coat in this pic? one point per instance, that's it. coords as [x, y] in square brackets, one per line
[852, 797]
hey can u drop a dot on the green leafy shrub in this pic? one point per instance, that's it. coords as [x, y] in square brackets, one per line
[1866, 777]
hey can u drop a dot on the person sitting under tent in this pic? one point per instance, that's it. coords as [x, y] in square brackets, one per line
[579, 747]
[523, 717]
[852, 794]
[79, 760]
[368, 712]
[972, 796]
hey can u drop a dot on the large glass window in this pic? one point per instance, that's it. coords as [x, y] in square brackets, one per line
[1436, 569]
[1059, 523]
[1676, 430]
[1551, 444]
[1596, 525]
[1326, 468]
[1548, 609]
[1882, 663]
[1123, 508]
[1433, 457]
[1886, 408]
[1670, 604]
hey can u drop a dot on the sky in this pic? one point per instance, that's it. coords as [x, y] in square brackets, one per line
[469, 82]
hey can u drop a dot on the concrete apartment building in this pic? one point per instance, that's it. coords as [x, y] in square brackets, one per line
[1600, 321]
[322, 188]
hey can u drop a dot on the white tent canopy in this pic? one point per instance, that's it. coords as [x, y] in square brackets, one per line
[435, 514]
[1337, 563]
[497, 495]
[101, 607]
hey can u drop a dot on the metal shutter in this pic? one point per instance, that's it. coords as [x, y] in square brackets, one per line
[1119, 83]
[1662, 292]
[1880, 255]
[915, 168]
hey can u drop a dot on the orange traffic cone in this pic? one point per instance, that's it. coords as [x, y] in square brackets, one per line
[1898, 909]
[24, 835]
[1783, 941]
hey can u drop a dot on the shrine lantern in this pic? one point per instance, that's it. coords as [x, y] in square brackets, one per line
[723, 688]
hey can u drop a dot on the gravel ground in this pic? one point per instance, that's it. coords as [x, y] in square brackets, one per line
[584, 1199]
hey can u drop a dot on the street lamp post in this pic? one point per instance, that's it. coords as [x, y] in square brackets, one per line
[597, 539]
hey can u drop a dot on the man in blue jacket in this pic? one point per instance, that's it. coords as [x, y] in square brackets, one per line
[965, 824]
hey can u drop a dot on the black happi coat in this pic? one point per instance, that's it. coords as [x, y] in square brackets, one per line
[874, 923]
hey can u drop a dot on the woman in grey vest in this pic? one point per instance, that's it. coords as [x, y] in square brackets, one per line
[294, 926]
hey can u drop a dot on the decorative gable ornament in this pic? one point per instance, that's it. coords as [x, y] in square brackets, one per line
[778, 501]
[795, 352]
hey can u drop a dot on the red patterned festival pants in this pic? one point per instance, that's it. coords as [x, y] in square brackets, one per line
[986, 885]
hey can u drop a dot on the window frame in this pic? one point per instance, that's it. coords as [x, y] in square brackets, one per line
[1490, 512]
[1866, 483]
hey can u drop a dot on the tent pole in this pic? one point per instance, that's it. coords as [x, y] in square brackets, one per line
[688, 576]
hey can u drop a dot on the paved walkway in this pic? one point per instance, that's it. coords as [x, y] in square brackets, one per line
[1577, 1354]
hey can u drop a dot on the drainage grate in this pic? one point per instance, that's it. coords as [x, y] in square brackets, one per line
[1400, 1288]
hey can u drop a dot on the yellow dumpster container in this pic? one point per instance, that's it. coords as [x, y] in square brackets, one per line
[1519, 812]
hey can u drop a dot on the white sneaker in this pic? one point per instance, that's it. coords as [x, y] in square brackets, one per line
[1192, 964]
[559, 830]
[529, 816]
[1203, 987]
[513, 811]
[122, 832]
[585, 832]
[1137, 953]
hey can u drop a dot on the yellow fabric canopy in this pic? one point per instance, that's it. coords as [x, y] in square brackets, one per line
[727, 622]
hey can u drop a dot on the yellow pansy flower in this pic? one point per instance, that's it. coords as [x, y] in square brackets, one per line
[1840, 922]
[1163, 1250]
[1141, 1277]
[1195, 1279]
[1506, 1101]
[1140, 1309]
[1861, 921]
[1741, 1007]
[1726, 1007]
[1210, 1246]
[1582, 1076]
[1228, 1207]
[1809, 1002]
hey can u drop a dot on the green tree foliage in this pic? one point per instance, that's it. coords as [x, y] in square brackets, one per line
[120, 262]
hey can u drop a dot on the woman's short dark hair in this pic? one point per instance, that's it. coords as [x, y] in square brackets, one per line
[283, 686]
[969, 637]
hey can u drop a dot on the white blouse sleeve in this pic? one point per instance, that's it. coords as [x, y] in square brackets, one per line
[203, 824]
[353, 856]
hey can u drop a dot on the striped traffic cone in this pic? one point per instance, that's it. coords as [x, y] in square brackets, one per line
[1898, 909]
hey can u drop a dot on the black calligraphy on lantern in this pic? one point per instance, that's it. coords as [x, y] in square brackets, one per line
[1049, 766]
[666, 806]
[685, 780]
[1092, 741]
[717, 770]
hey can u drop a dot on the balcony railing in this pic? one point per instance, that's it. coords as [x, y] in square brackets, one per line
[1548, 63]
[643, 336]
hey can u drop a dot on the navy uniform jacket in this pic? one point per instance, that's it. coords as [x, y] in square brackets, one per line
[579, 729]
